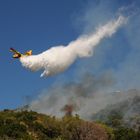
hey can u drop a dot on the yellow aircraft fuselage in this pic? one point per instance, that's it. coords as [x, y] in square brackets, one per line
[18, 54]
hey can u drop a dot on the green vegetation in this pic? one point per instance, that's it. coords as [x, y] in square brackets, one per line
[124, 133]
[120, 131]
[29, 125]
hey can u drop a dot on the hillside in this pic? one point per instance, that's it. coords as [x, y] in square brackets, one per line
[126, 112]
[24, 125]
[118, 121]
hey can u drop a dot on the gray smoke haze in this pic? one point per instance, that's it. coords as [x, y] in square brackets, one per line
[128, 108]
[85, 95]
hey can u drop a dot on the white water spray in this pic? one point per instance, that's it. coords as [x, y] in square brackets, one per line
[57, 59]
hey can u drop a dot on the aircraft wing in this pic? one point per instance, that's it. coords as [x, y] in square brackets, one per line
[16, 53]
[13, 50]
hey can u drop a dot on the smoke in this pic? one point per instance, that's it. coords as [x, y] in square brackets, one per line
[59, 58]
[83, 97]
[69, 109]
[127, 108]
[87, 97]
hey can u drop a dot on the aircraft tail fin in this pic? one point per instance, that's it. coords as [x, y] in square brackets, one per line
[28, 53]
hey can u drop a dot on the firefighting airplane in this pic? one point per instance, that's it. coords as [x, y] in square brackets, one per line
[18, 54]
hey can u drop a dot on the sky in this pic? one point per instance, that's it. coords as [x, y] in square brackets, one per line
[41, 24]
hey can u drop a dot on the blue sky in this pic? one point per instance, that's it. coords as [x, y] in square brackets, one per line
[40, 24]
[35, 25]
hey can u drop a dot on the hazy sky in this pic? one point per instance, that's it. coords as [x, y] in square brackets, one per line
[40, 24]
